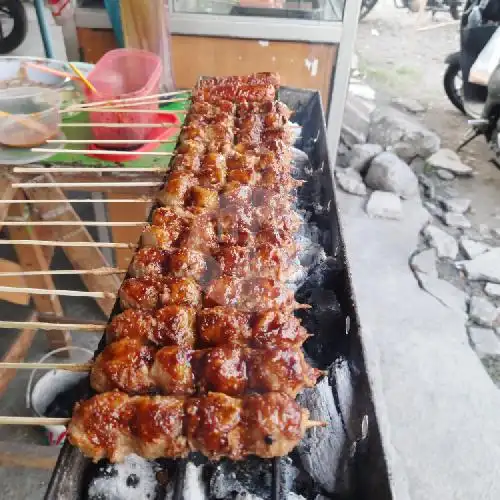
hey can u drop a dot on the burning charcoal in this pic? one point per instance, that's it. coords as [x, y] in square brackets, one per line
[326, 449]
[325, 321]
[132, 479]
[194, 486]
[253, 476]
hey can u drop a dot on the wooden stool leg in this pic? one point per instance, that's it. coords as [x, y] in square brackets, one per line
[31, 258]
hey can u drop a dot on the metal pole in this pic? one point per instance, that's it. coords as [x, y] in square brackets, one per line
[44, 30]
[342, 73]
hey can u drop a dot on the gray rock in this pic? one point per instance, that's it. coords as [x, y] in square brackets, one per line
[356, 121]
[456, 205]
[496, 232]
[384, 205]
[472, 248]
[484, 267]
[484, 230]
[484, 340]
[425, 262]
[427, 184]
[445, 244]
[362, 155]
[492, 290]
[418, 165]
[445, 292]
[350, 181]
[446, 159]
[388, 173]
[482, 311]
[433, 209]
[456, 220]
[445, 175]
[410, 105]
[403, 134]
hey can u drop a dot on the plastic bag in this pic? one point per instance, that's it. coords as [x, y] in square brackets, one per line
[146, 26]
[487, 61]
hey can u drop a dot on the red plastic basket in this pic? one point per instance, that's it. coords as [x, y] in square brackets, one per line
[121, 74]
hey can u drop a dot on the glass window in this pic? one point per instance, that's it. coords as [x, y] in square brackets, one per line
[323, 10]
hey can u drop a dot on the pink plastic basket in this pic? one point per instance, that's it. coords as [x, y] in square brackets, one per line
[124, 73]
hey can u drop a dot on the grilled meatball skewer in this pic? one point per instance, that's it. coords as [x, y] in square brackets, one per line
[113, 425]
[130, 366]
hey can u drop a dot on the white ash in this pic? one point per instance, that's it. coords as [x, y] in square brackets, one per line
[293, 496]
[325, 450]
[251, 476]
[194, 486]
[247, 496]
[133, 479]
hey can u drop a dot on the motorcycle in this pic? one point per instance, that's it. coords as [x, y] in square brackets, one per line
[469, 98]
[453, 6]
[13, 25]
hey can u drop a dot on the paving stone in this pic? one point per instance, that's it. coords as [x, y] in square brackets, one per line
[485, 341]
[473, 249]
[362, 155]
[350, 181]
[384, 205]
[446, 159]
[456, 205]
[387, 172]
[445, 292]
[403, 134]
[456, 220]
[425, 262]
[492, 290]
[482, 311]
[445, 244]
[445, 175]
[484, 267]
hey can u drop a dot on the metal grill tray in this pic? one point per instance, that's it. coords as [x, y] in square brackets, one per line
[364, 463]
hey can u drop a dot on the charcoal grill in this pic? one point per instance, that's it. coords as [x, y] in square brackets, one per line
[333, 320]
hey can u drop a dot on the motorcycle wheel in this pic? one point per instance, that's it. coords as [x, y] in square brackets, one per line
[453, 90]
[366, 7]
[15, 11]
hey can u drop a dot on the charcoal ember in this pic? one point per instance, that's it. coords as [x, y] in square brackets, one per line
[252, 476]
[325, 321]
[132, 479]
[325, 451]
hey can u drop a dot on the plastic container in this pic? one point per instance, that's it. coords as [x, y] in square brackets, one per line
[48, 386]
[122, 74]
[28, 116]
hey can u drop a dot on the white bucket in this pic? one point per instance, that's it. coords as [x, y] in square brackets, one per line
[47, 387]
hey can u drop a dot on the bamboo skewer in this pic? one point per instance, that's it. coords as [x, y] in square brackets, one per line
[171, 140]
[47, 326]
[308, 424]
[34, 421]
[112, 109]
[140, 99]
[90, 244]
[104, 152]
[25, 185]
[122, 125]
[71, 367]
[102, 271]
[28, 223]
[86, 170]
[61, 293]
[90, 200]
